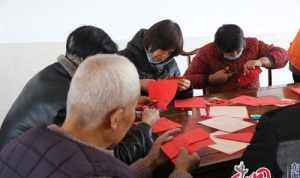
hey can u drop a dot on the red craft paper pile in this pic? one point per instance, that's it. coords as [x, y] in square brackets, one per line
[256, 101]
[164, 124]
[240, 137]
[162, 91]
[194, 102]
[192, 140]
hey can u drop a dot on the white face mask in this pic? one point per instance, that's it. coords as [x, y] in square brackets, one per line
[232, 58]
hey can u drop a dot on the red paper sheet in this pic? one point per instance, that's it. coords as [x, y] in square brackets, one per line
[246, 100]
[295, 89]
[162, 91]
[194, 102]
[268, 100]
[198, 145]
[191, 140]
[251, 76]
[164, 124]
[256, 101]
[217, 102]
[240, 137]
[172, 148]
[194, 135]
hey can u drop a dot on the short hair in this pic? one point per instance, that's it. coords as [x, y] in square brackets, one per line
[89, 40]
[101, 84]
[164, 35]
[229, 37]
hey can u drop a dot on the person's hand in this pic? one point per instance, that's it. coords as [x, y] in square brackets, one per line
[184, 84]
[252, 64]
[144, 84]
[146, 100]
[155, 157]
[220, 76]
[150, 116]
[184, 161]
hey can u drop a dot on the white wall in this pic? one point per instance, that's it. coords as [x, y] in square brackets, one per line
[32, 32]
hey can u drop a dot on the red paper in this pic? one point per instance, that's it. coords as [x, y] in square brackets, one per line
[268, 100]
[250, 77]
[246, 100]
[194, 135]
[164, 124]
[195, 102]
[240, 137]
[196, 146]
[162, 91]
[295, 89]
[217, 102]
[256, 101]
[191, 140]
[172, 148]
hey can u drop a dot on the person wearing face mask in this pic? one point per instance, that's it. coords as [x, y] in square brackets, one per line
[218, 65]
[152, 51]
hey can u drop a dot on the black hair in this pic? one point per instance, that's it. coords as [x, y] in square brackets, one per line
[229, 38]
[164, 35]
[89, 40]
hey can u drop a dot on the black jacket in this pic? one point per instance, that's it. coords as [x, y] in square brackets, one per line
[39, 104]
[276, 143]
[135, 52]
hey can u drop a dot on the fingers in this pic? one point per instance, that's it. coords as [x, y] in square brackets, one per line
[184, 84]
[169, 135]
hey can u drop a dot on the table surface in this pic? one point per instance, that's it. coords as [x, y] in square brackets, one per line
[210, 156]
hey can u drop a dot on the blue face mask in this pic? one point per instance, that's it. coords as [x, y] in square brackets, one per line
[150, 58]
[233, 58]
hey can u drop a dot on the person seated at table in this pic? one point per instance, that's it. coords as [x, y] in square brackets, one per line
[294, 58]
[218, 65]
[97, 118]
[152, 51]
[45, 95]
[276, 143]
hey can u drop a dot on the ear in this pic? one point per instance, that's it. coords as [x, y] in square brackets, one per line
[116, 117]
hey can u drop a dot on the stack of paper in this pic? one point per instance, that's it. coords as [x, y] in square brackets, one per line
[226, 146]
[192, 140]
[194, 102]
[232, 111]
[226, 123]
[164, 124]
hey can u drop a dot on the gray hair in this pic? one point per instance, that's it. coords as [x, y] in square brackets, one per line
[101, 84]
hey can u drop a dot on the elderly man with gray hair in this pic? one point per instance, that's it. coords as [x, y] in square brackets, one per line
[43, 99]
[97, 118]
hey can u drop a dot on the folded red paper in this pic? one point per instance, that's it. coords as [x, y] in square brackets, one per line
[194, 102]
[268, 100]
[240, 137]
[217, 102]
[162, 91]
[164, 124]
[247, 100]
[251, 76]
[256, 101]
[192, 140]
